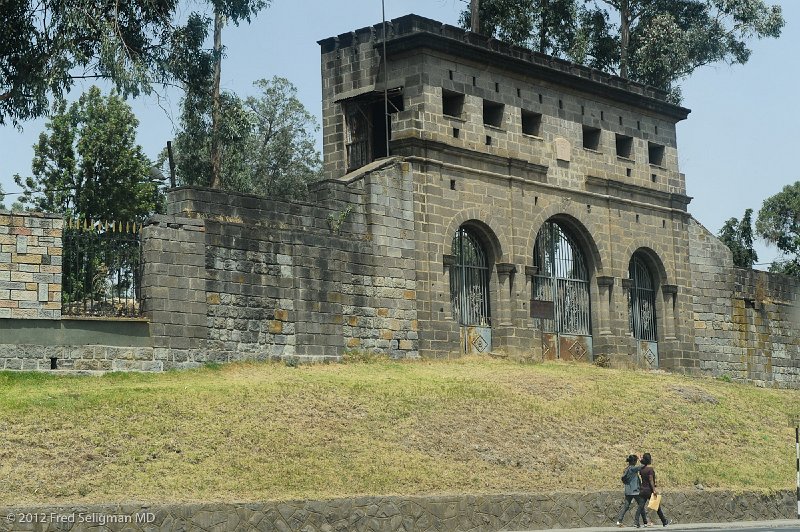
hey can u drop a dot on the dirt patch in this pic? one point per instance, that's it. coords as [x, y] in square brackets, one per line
[693, 395]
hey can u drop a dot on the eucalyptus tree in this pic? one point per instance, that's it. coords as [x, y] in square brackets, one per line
[655, 42]
[137, 44]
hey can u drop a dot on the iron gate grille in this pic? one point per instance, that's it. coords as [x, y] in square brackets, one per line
[641, 301]
[469, 280]
[563, 279]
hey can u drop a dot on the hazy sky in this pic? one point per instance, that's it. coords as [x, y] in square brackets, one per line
[736, 148]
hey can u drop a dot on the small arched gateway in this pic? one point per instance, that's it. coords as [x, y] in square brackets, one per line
[642, 309]
[560, 298]
[469, 291]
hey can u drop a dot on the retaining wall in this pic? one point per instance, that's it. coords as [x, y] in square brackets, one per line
[396, 513]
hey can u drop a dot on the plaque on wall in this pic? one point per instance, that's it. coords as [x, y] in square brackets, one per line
[542, 309]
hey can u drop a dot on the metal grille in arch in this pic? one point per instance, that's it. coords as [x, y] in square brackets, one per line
[641, 301]
[469, 280]
[563, 278]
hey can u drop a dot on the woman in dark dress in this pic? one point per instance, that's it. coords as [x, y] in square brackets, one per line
[648, 487]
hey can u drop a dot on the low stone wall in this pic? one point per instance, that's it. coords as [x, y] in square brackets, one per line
[446, 513]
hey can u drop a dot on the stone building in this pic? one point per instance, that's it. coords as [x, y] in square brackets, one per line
[512, 203]
[550, 216]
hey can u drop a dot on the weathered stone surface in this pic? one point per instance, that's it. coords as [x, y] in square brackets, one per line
[396, 513]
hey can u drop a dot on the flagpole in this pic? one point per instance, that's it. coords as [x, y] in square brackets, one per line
[386, 116]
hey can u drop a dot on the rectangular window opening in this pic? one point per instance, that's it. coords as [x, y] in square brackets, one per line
[452, 103]
[53, 362]
[488, 140]
[624, 146]
[531, 123]
[456, 132]
[493, 113]
[591, 138]
[519, 93]
[496, 87]
[655, 154]
[540, 98]
[452, 184]
[450, 73]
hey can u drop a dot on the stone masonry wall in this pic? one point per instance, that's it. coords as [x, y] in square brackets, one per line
[746, 321]
[485, 513]
[30, 265]
[307, 281]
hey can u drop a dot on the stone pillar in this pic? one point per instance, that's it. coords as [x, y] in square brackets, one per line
[174, 288]
[30, 265]
[605, 285]
[670, 293]
[505, 277]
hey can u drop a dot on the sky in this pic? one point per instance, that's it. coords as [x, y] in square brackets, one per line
[736, 148]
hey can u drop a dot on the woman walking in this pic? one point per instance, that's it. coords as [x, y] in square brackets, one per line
[648, 487]
[630, 477]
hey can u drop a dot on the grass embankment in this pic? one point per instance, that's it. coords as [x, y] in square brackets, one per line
[268, 431]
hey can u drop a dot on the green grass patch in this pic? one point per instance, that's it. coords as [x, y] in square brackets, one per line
[269, 431]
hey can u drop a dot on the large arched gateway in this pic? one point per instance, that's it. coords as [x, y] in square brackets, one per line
[560, 298]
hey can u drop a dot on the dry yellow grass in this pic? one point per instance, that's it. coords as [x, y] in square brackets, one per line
[268, 431]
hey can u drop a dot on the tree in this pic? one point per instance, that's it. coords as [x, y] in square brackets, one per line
[738, 236]
[655, 42]
[267, 142]
[778, 223]
[87, 163]
[48, 44]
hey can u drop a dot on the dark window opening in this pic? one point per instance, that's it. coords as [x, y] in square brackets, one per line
[452, 184]
[655, 154]
[367, 127]
[591, 138]
[450, 73]
[488, 140]
[53, 363]
[625, 146]
[493, 113]
[496, 87]
[456, 132]
[452, 103]
[531, 123]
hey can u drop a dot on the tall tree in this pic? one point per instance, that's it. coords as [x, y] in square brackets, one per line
[738, 236]
[87, 163]
[655, 42]
[47, 44]
[267, 142]
[778, 223]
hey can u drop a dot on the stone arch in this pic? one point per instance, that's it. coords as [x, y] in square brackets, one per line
[651, 258]
[490, 231]
[651, 253]
[569, 216]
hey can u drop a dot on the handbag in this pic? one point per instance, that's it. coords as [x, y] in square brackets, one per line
[655, 501]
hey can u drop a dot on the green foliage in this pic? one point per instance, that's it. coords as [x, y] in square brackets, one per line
[655, 42]
[779, 224]
[738, 236]
[267, 142]
[87, 163]
[47, 44]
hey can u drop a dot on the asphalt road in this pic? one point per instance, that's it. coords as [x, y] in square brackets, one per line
[786, 525]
